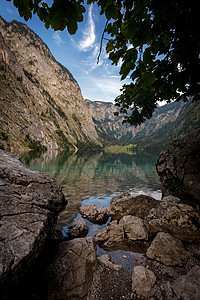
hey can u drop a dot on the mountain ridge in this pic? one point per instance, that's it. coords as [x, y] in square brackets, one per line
[42, 94]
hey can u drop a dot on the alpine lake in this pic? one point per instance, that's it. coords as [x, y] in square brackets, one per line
[94, 178]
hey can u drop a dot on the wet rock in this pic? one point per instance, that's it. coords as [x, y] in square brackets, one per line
[94, 214]
[110, 236]
[30, 202]
[105, 260]
[143, 281]
[187, 287]
[134, 228]
[167, 250]
[178, 219]
[70, 274]
[126, 204]
[178, 168]
[78, 229]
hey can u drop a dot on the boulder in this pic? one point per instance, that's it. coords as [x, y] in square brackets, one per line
[126, 204]
[105, 260]
[30, 202]
[71, 272]
[187, 287]
[178, 219]
[178, 168]
[143, 281]
[110, 236]
[167, 250]
[78, 229]
[134, 228]
[94, 214]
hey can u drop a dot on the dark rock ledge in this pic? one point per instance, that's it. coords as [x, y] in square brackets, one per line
[29, 204]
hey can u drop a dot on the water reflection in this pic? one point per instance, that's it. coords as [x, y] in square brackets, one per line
[95, 178]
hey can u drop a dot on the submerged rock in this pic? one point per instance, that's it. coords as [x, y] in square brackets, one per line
[78, 229]
[187, 287]
[30, 202]
[178, 219]
[167, 250]
[143, 281]
[71, 271]
[126, 204]
[94, 214]
[178, 168]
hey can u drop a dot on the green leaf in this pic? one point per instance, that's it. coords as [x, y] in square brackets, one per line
[125, 69]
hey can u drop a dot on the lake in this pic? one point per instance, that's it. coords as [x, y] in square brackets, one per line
[95, 178]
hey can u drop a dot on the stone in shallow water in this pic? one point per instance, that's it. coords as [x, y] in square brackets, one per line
[126, 204]
[78, 229]
[94, 214]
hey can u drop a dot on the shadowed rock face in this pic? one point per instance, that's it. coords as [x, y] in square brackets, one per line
[29, 204]
[178, 168]
[71, 272]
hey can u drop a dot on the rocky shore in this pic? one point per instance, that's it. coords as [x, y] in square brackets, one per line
[148, 249]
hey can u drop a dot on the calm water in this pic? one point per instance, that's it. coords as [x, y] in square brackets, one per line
[96, 178]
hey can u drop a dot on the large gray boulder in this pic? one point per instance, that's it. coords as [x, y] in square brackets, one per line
[126, 204]
[71, 272]
[178, 219]
[143, 281]
[178, 168]
[29, 204]
[187, 287]
[167, 250]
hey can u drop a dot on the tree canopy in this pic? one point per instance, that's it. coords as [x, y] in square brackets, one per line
[157, 42]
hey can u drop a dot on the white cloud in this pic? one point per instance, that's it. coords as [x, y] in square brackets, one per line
[106, 88]
[88, 39]
[57, 39]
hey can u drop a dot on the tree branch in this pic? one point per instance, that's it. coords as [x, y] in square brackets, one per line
[102, 38]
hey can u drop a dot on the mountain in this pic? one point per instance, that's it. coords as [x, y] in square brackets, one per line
[167, 123]
[41, 103]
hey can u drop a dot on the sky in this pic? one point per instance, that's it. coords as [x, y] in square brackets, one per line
[79, 52]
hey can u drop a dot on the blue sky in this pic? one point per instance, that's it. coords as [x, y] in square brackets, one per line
[78, 52]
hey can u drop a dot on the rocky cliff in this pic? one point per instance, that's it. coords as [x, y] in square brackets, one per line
[168, 122]
[41, 103]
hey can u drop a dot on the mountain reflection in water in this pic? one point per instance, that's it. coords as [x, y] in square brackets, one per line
[96, 178]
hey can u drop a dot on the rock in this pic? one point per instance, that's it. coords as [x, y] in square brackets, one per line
[167, 250]
[78, 229]
[134, 228]
[126, 204]
[105, 260]
[187, 287]
[178, 168]
[143, 281]
[176, 218]
[70, 274]
[110, 236]
[94, 214]
[30, 202]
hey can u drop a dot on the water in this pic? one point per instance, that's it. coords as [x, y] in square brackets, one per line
[96, 178]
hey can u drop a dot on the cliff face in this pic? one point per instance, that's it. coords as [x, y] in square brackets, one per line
[111, 127]
[41, 102]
